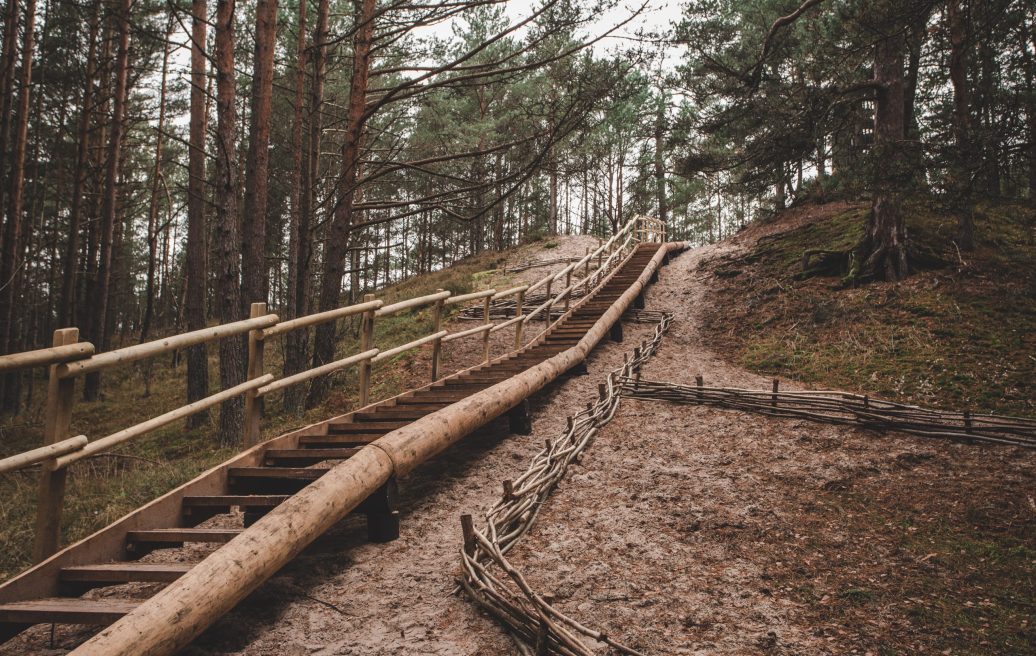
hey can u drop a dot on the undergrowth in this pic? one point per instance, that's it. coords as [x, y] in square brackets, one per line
[957, 337]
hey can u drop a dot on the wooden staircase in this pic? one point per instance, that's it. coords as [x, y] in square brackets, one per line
[261, 478]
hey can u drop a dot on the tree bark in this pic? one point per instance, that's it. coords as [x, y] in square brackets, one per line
[253, 219]
[338, 232]
[152, 211]
[960, 176]
[16, 228]
[885, 251]
[196, 273]
[71, 257]
[101, 329]
[295, 342]
[226, 233]
[660, 186]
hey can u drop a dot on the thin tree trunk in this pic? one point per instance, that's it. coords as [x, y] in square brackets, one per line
[660, 186]
[100, 328]
[295, 342]
[152, 212]
[71, 263]
[253, 219]
[338, 233]
[196, 275]
[16, 230]
[960, 177]
[8, 61]
[227, 236]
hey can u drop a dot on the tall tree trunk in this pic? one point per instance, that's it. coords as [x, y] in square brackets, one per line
[16, 228]
[295, 342]
[8, 61]
[338, 233]
[71, 263]
[253, 220]
[960, 176]
[100, 330]
[884, 250]
[660, 186]
[152, 211]
[226, 233]
[197, 249]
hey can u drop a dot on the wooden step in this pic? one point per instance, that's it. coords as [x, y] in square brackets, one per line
[391, 413]
[177, 536]
[60, 610]
[343, 428]
[293, 473]
[131, 572]
[308, 456]
[225, 502]
[339, 441]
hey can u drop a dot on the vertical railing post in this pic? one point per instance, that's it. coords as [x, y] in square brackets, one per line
[253, 404]
[486, 302]
[366, 344]
[60, 399]
[437, 344]
[550, 303]
[568, 294]
[519, 312]
[586, 269]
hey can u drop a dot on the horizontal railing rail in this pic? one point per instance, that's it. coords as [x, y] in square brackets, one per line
[68, 359]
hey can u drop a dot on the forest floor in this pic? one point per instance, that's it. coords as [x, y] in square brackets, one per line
[684, 530]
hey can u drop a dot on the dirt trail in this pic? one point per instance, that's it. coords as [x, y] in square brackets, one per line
[684, 530]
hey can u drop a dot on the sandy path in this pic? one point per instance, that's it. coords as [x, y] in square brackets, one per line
[684, 530]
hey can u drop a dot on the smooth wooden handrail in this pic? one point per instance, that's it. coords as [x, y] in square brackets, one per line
[513, 291]
[46, 356]
[505, 324]
[328, 368]
[318, 318]
[466, 333]
[143, 427]
[159, 346]
[27, 458]
[473, 296]
[384, 355]
[388, 310]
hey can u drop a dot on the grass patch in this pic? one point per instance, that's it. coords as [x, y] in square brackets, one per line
[957, 337]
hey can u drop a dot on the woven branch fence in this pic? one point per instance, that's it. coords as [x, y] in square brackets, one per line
[842, 408]
[490, 579]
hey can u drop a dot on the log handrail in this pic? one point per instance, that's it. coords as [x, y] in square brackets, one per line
[468, 332]
[308, 374]
[384, 355]
[474, 296]
[389, 310]
[46, 356]
[320, 317]
[157, 347]
[164, 419]
[41, 454]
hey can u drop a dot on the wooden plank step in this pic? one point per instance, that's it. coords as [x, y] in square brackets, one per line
[389, 413]
[343, 428]
[308, 456]
[423, 402]
[294, 473]
[227, 501]
[61, 610]
[131, 572]
[177, 536]
[350, 439]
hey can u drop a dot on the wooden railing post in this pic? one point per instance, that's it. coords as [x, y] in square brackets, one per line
[254, 404]
[586, 269]
[550, 303]
[437, 344]
[60, 399]
[366, 343]
[485, 333]
[568, 294]
[518, 312]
